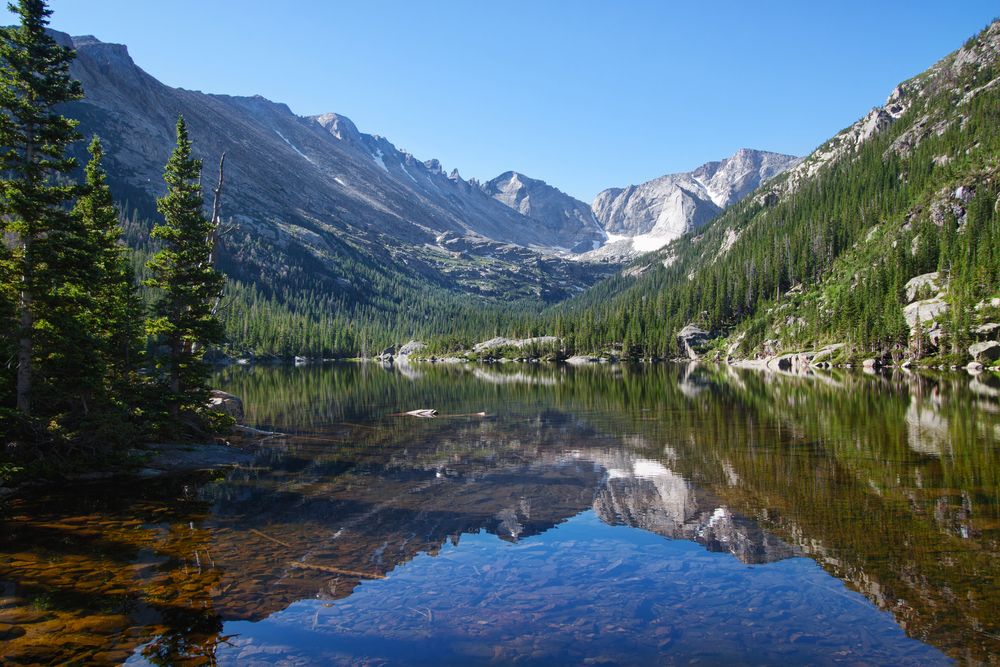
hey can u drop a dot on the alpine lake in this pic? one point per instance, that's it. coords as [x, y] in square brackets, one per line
[547, 515]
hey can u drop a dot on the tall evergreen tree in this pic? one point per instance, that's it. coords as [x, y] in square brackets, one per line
[116, 309]
[34, 136]
[182, 270]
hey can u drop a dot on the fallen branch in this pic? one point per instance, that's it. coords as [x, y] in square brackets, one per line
[268, 537]
[335, 570]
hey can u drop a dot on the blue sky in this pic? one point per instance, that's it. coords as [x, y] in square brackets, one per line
[585, 95]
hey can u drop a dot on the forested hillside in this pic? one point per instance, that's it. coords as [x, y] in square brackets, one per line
[335, 242]
[823, 253]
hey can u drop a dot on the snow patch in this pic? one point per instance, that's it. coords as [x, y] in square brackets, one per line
[407, 173]
[377, 156]
[294, 147]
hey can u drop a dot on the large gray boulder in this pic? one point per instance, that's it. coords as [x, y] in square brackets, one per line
[412, 347]
[499, 342]
[226, 403]
[988, 331]
[580, 360]
[927, 282]
[924, 311]
[986, 352]
[691, 339]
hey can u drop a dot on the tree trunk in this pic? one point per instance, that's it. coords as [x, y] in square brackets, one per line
[24, 353]
[216, 231]
[25, 303]
[217, 226]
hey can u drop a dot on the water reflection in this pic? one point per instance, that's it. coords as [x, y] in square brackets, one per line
[536, 531]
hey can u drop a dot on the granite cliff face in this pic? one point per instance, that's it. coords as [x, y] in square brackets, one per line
[642, 218]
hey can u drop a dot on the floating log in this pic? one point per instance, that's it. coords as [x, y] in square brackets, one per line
[249, 430]
[425, 413]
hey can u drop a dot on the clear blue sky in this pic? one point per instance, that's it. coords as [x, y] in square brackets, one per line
[585, 95]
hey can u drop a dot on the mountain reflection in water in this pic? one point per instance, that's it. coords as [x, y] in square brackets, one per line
[867, 506]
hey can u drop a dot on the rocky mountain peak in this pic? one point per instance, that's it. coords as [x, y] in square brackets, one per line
[557, 211]
[645, 217]
[339, 126]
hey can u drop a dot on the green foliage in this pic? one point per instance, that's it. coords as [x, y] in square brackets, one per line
[34, 136]
[70, 313]
[183, 318]
[827, 260]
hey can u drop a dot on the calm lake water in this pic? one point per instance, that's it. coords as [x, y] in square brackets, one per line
[599, 515]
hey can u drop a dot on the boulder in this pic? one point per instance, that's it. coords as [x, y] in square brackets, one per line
[928, 282]
[690, 339]
[985, 352]
[988, 303]
[823, 354]
[927, 310]
[387, 353]
[988, 330]
[934, 336]
[871, 365]
[226, 403]
[579, 360]
[498, 342]
[412, 347]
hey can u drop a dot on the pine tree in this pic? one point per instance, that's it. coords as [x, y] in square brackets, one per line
[117, 309]
[34, 136]
[188, 283]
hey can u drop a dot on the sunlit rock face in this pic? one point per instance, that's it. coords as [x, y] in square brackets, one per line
[645, 217]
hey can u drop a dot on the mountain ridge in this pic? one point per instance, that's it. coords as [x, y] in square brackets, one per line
[828, 259]
[645, 217]
[320, 194]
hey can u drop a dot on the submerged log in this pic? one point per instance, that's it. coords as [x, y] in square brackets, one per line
[268, 537]
[335, 570]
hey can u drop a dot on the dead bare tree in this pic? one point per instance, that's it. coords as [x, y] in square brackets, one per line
[218, 230]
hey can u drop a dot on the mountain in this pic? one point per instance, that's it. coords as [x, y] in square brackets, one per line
[562, 216]
[320, 210]
[884, 242]
[645, 217]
